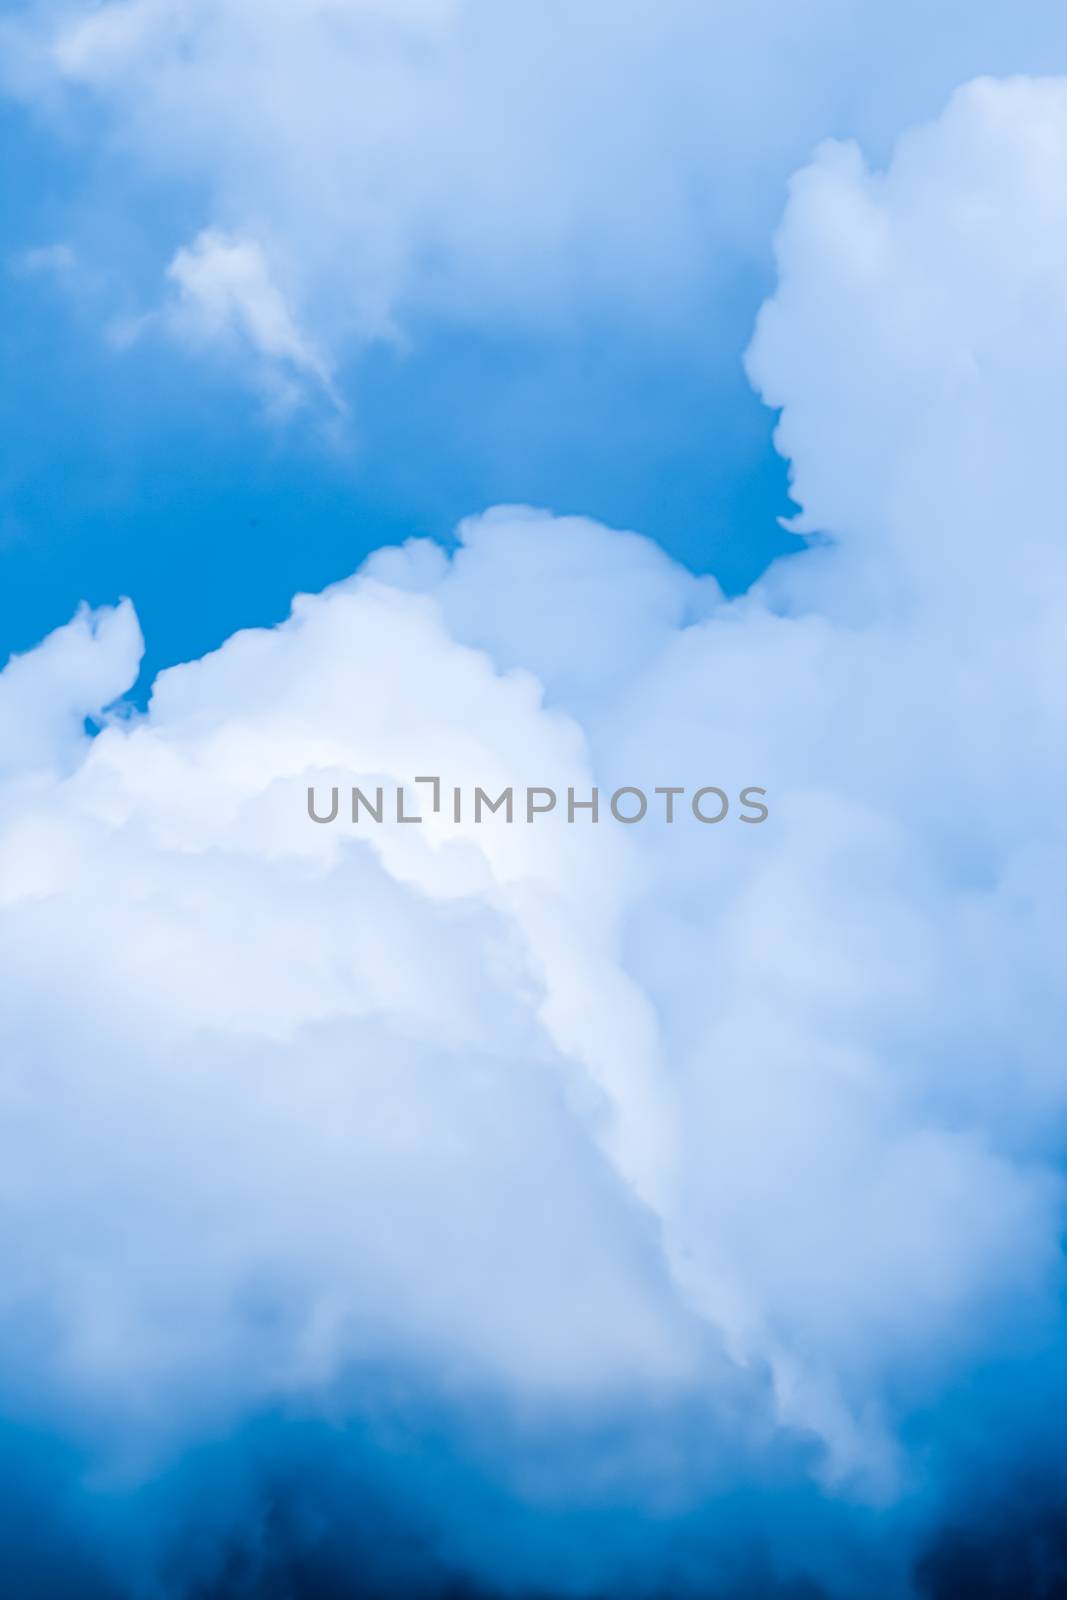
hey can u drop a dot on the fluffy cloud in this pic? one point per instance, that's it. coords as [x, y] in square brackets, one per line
[768, 1120]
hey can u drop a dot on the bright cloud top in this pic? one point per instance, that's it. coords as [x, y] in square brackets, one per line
[769, 1118]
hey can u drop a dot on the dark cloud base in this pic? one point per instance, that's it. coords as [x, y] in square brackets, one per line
[299, 1512]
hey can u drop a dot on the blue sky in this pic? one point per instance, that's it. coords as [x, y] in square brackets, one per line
[555, 1205]
[210, 517]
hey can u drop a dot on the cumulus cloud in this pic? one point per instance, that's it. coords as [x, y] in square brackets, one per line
[494, 166]
[46, 695]
[576, 1120]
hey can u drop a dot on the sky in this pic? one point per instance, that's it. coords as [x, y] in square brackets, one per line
[579, 400]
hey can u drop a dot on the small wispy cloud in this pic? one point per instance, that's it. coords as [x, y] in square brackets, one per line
[225, 290]
[49, 260]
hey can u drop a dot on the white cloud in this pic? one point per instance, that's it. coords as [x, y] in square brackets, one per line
[224, 287]
[579, 1113]
[46, 695]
